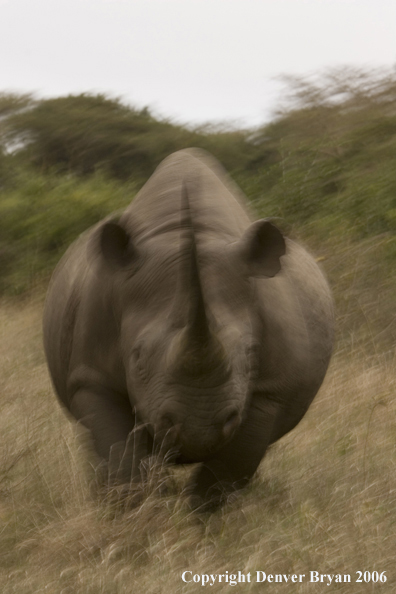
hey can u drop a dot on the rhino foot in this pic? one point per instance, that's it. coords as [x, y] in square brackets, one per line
[211, 487]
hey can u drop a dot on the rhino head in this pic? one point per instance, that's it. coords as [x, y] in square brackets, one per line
[184, 308]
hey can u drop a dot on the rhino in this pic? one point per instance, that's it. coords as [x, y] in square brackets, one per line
[180, 328]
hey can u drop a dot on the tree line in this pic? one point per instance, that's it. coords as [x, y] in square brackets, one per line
[324, 163]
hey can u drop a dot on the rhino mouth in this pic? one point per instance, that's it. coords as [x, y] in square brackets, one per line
[190, 442]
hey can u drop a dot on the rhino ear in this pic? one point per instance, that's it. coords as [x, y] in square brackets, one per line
[116, 246]
[260, 249]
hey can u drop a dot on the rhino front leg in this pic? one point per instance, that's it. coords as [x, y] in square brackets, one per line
[116, 437]
[236, 463]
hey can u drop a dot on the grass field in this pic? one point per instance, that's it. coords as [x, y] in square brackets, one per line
[324, 499]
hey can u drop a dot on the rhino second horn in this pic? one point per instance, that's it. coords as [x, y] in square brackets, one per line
[191, 359]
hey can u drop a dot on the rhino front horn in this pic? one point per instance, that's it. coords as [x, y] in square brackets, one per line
[196, 350]
[189, 310]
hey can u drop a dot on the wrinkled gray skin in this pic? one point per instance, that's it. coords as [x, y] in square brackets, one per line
[206, 332]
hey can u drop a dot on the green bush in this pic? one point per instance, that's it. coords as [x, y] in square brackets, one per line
[42, 214]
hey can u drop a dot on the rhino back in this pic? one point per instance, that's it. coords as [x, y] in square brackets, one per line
[216, 204]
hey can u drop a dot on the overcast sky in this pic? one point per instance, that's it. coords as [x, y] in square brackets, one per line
[192, 60]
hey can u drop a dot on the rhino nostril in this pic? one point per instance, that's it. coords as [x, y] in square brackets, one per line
[231, 424]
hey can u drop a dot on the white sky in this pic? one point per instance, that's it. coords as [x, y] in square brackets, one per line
[191, 60]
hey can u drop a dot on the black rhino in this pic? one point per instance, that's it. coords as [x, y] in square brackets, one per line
[181, 326]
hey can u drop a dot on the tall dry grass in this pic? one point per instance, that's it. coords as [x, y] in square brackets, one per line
[324, 499]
